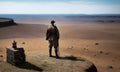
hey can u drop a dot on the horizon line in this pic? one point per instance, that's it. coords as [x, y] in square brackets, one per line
[60, 14]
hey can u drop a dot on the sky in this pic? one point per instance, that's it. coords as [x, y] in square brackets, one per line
[59, 6]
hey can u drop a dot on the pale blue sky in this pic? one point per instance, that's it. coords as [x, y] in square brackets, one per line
[59, 6]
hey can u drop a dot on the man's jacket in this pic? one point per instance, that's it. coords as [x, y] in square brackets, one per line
[52, 33]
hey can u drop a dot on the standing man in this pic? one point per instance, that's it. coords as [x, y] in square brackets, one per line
[52, 35]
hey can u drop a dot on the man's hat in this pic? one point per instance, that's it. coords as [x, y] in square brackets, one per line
[52, 21]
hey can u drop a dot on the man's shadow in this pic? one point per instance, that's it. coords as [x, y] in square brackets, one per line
[73, 58]
[29, 66]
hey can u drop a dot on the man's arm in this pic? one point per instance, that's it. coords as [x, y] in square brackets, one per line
[57, 33]
[47, 34]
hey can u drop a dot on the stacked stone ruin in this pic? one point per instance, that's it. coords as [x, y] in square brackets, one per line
[16, 56]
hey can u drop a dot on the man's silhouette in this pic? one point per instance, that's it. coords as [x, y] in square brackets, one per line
[52, 35]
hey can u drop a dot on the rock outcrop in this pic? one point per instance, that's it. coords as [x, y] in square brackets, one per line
[6, 22]
[43, 63]
[91, 68]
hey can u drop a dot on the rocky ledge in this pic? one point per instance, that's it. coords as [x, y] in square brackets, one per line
[6, 22]
[43, 63]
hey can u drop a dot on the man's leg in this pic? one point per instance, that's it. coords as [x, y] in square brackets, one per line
[50, 48]
[56, 52]
[56, 45]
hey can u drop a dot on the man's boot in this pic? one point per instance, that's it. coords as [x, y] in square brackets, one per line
[50, 52]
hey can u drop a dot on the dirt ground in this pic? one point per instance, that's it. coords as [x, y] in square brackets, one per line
[96, 42]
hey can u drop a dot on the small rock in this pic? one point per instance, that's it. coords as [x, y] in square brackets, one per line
[1, 55]
[110, 67]
[87, 46]
[107, 53]
[101, 52]
[112, 60]
[23, 42]
[84, 48]
[115, 57]
[96, 43]
[72, 47]
[94, 55]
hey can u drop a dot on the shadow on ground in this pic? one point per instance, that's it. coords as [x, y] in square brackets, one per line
[29, 66]
[92, 68]
[73, 58]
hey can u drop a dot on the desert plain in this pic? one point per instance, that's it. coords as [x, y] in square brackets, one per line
[98, 42]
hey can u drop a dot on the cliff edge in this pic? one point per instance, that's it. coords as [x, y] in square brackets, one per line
[6, 22]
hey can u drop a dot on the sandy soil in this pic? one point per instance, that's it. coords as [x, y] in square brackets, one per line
[94, 41]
